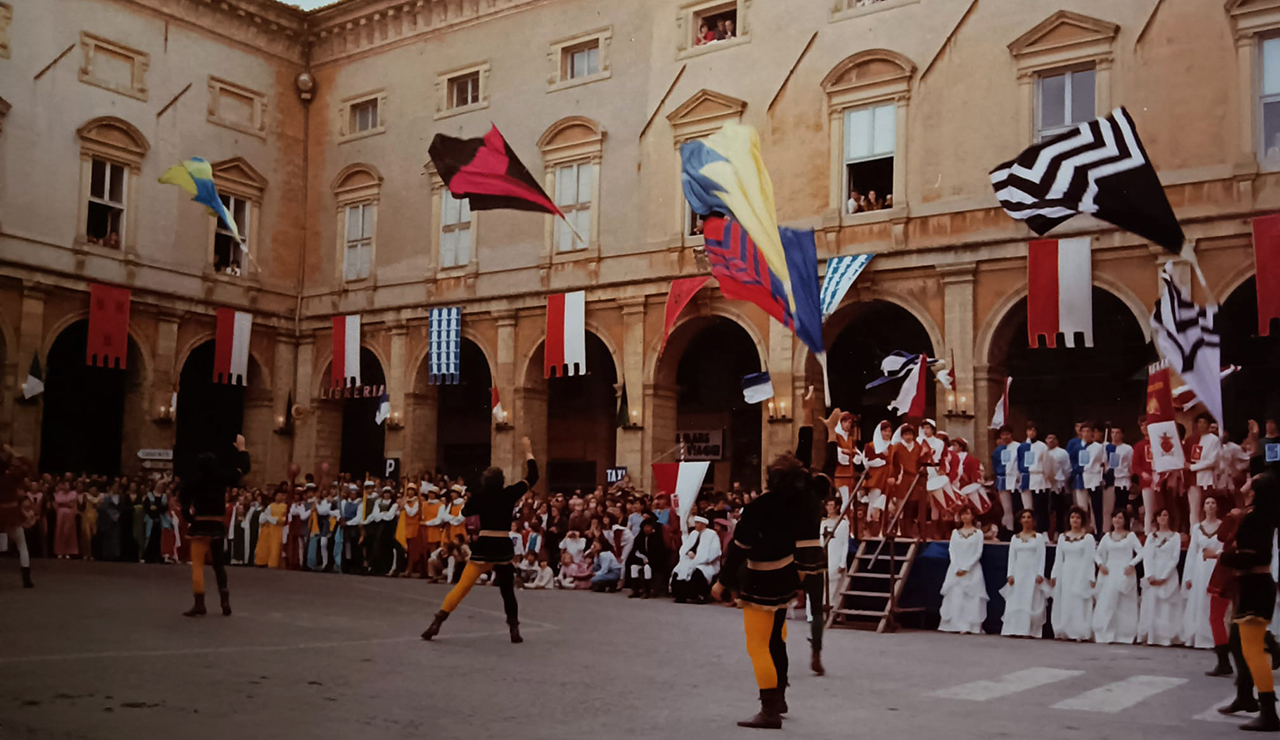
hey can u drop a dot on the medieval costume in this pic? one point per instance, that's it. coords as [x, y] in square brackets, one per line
[204, 508]
[12, 514]
[1203, 467]
[110, 529]
[835, 541]
[1074, 574]
[295, 551]
[493, 550]
[846, 454]
[379, 533]
[1115, 615]
[89, 524]
[1197, 625]
[1093, 473]
[879, 472]
[154, 507]
[66, 541]
[760, 569]
[409, 534]
[648, 561]
[1162, 609]
[1025, 592]
[909, 458]
[964, 592]
[271, 533]
[319, 527]
[810, 558]
[349, 557]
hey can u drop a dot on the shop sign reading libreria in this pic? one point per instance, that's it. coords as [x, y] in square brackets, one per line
[335, 392]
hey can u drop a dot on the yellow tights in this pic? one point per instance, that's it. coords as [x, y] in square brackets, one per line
[1253, 632]
[199, 546]
[766, 644]
[470, 574]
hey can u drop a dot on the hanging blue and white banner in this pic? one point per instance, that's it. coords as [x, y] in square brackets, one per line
[446, 345]
[757, 387]
[841, 273]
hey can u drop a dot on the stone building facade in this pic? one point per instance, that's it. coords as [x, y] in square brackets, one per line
[318, 124]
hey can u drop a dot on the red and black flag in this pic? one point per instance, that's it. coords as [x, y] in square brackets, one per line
[488, 174]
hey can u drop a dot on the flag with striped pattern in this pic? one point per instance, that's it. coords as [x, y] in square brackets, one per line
[1188, 338]
[1101, 169]
[446, 346]
[841, 274]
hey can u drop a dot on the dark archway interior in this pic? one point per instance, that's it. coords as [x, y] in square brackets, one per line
[1252, 392]
[363, 439]
[209, 415]
[874, 330]
[82, 428]
[709, 395]
[581, 422]
[463, 418]
[1060, 386]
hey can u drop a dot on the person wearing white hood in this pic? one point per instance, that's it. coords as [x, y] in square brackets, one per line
[879, 473]
[698, 564]
[937, 447]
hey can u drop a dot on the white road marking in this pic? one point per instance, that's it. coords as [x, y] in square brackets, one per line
[445, 636]
[1213, 715]
[1006, 685]
[1118, 696]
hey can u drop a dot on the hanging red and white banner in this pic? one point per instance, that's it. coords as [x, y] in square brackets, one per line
[231, 347]
[1266, 265]
[1000, 416]
[346, 350]
[682, 291]
[565, 351]
[1059, 291]
[108, 344]
[496, 405]
[682, 481]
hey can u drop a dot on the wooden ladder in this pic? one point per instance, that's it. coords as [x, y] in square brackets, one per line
[870, 588]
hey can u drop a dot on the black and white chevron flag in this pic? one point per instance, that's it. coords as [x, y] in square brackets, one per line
[1188, 338]
[1100, 169]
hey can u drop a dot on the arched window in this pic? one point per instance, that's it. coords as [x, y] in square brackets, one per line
[571, 154]
[111, 153]
[240, 186]
[356, 191]
[867, 98]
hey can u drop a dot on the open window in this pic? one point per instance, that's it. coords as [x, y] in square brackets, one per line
[111, 154]
[870, 140]
[105, 225]
[715, 23]
[228, 254]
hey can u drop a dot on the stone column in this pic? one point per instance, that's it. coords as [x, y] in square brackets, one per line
[396, 442]
[958, 330]
[302, 385]
[659, 431]
[779, 433]
[24, 433]
[504, 442]
[282, 448]
[631, 439]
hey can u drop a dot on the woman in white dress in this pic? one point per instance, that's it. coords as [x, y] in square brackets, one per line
[1162, 608]
[835, 539]
[1024, 591]
[964, 592]
[1115, 614]
[1197, 631]
[1073, 578]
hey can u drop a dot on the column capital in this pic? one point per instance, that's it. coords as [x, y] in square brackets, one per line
[632, 306]
[960, 272]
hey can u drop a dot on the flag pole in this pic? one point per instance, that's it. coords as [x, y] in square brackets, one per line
[1189, 254]
[573, 230]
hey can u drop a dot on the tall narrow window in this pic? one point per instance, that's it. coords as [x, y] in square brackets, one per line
[1270, 98]
[1066, 100]
[229, 254]
[870, 138]
[455, 231]
[573, 195]
[358, 254]
[106, 204]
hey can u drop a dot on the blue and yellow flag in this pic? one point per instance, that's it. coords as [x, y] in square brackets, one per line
[196, 177]
[724, 173]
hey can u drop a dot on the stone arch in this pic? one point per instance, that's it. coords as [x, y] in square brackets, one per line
[420, 356]
[803, 367]
[144, 350]
[449, 427]
[322, 379]
[181, 358]
[528, 365]
[872, 66]
[1228, 286]
[1250, 392]
[115, 138]
[657, 351]
[356, 175]
[571, 132]
[987, 332]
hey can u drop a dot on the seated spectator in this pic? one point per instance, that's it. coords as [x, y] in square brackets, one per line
[440, 565]
[527, 569]
[606, 570]
[698, 565]
[545, 577]
[649, 561]
[567, 577]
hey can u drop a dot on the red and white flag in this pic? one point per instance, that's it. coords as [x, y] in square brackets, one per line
[346, 350]
[682, 481]
[1266, 263]
[1059, 291]
[911, 397]
[498, 414]
[1000, 416]
[565, 352]
[231, 348]
[1162, 429]
[108, 344]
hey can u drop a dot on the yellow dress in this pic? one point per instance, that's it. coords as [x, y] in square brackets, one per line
[89, 524]
[271, 536]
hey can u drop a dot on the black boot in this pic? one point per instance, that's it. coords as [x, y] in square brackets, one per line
[768, 718]
[514, 624]
[225, 596]
[636, 592]
[1244, 701]
[26, 578]
[815, 661]
[1266, 721]
[196, 609]
[1223, 668]
[780, 699]
[436, 623]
